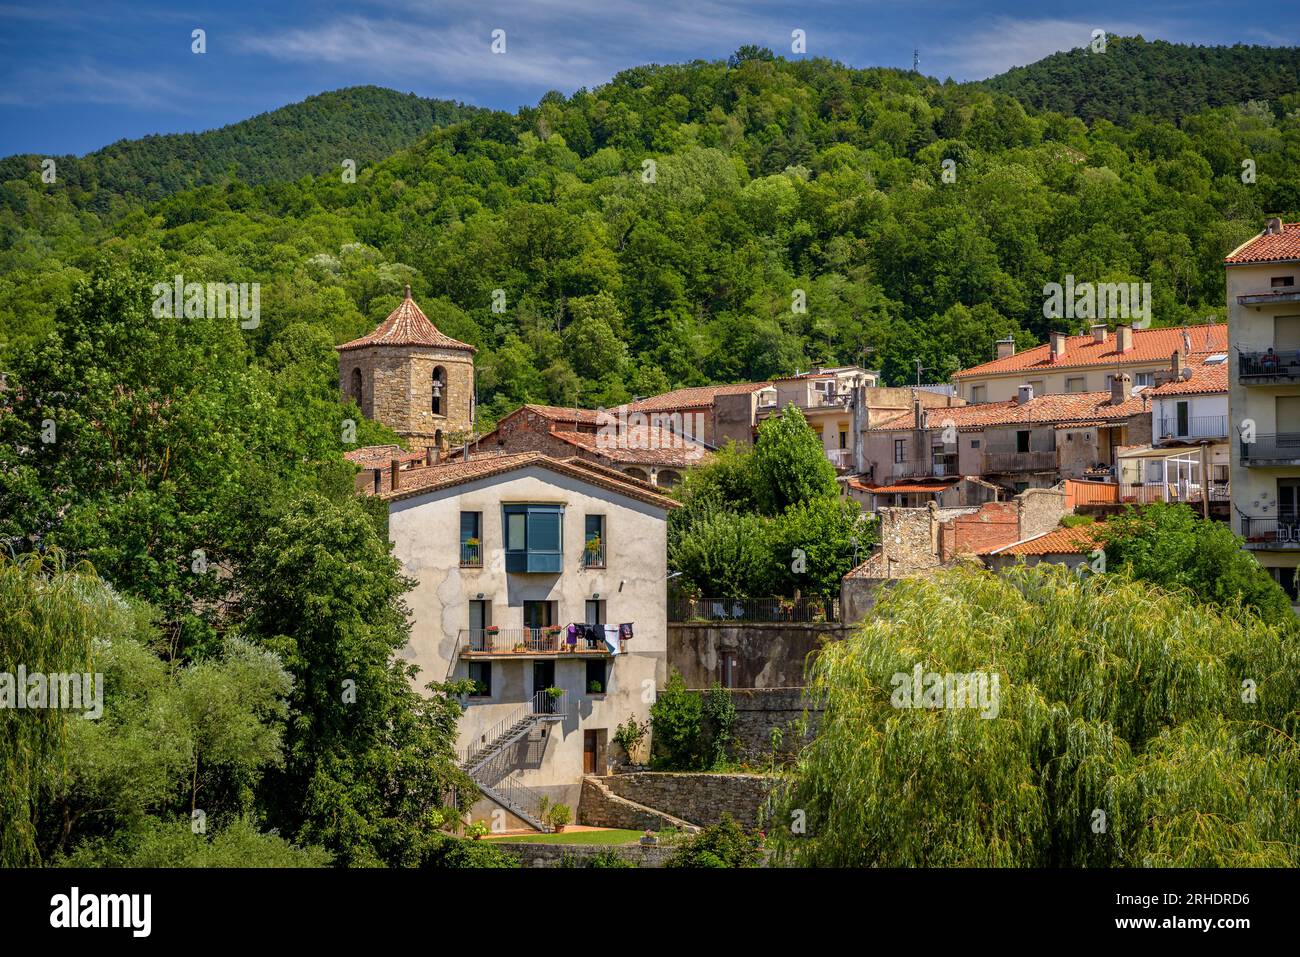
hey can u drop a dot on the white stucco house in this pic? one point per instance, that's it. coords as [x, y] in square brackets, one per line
[543, 581]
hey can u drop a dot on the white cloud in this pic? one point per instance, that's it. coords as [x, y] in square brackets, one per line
[1006, 42]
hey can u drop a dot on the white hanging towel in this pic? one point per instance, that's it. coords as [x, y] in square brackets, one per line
[611, 638]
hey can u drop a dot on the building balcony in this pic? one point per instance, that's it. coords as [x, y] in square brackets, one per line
[1265, 368]
[1272, 297]
[471, 555]
[842, 459]
[548, 641]
[593, 554]
[1001, 462]
[1193, 427]
[1280, 449]
[1272, 533]
[815, 403]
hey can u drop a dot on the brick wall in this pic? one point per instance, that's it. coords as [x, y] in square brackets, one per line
[996, 523]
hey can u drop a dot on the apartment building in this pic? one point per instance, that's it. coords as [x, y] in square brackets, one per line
[1263, 293]
[543, 581]
[1188, 459]
[1086, 363]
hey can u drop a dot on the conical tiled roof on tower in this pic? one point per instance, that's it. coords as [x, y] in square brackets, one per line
[407, 326]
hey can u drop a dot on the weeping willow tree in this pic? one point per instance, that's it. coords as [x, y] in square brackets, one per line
[49, 617]
[1131, 728]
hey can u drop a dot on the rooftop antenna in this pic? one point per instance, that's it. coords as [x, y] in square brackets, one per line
[916, 59]
[919, 369]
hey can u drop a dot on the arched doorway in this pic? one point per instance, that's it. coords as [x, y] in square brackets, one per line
[356, 386]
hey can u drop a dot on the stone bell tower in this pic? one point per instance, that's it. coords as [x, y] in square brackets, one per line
[409, 376]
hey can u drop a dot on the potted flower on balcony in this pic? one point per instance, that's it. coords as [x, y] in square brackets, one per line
[593, 550]
[595, 687]
[469, 551]
[559, 816]
[553, 695]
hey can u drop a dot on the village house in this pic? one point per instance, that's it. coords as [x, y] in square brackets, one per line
[654, 447]
[1085, 363]
[1026, 442]
[1263, 293]
[1068, 546]
[1188, 459]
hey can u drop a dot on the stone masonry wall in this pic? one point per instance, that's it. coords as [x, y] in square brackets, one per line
[699, 798]
[599, 806]
[764, 654]
[760, 711]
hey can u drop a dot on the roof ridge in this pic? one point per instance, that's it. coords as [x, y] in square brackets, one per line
[407, 325]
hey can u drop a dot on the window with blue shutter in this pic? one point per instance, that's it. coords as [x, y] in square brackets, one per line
[534, 538]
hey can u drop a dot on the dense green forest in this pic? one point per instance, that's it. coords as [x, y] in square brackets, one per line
[362, 123]
[1133, 76]
[654, 232]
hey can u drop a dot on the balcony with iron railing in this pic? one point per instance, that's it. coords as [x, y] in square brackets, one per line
[1003, 461]
[1193, 427]
[471, 554]
[1281, 531]
[1272, 449]
[548, 640]
[1268, 366]
[593, 554]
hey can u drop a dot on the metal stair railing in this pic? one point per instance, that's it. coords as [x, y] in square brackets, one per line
[519, 799]
[514, 726]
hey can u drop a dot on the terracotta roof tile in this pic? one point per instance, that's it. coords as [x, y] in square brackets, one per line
[1268, 247]
[1205, 380]
[1149, 345]
[373, 456]
[437, 477]
[1059, 541]
[406, 326]
[650, 446]
[693, 398]
[556, 413]
[1074, 407]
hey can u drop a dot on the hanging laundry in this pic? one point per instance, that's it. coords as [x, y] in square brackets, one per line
[625, 630]
[571, 636]
[611, 638]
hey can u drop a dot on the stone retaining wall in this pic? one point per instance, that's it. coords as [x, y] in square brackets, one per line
[601, 807]
[699, 798]
[760, 711]
[760, 654]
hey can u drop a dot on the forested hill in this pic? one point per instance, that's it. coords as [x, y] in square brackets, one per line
[697, 223]
[1134, 76]
[362, 123]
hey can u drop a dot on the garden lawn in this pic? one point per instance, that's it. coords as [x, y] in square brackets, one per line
[610, 836]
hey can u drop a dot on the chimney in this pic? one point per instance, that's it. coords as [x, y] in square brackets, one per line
[1176, 366]
[918, 412]
[1121, 388]
[1026, 394]
[1058, 345]
[394, 470]
[1273, 227]
[1006, 348]
[1124, 338]
[1100, 333]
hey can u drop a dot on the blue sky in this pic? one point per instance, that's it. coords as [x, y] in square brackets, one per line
[75, 76]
